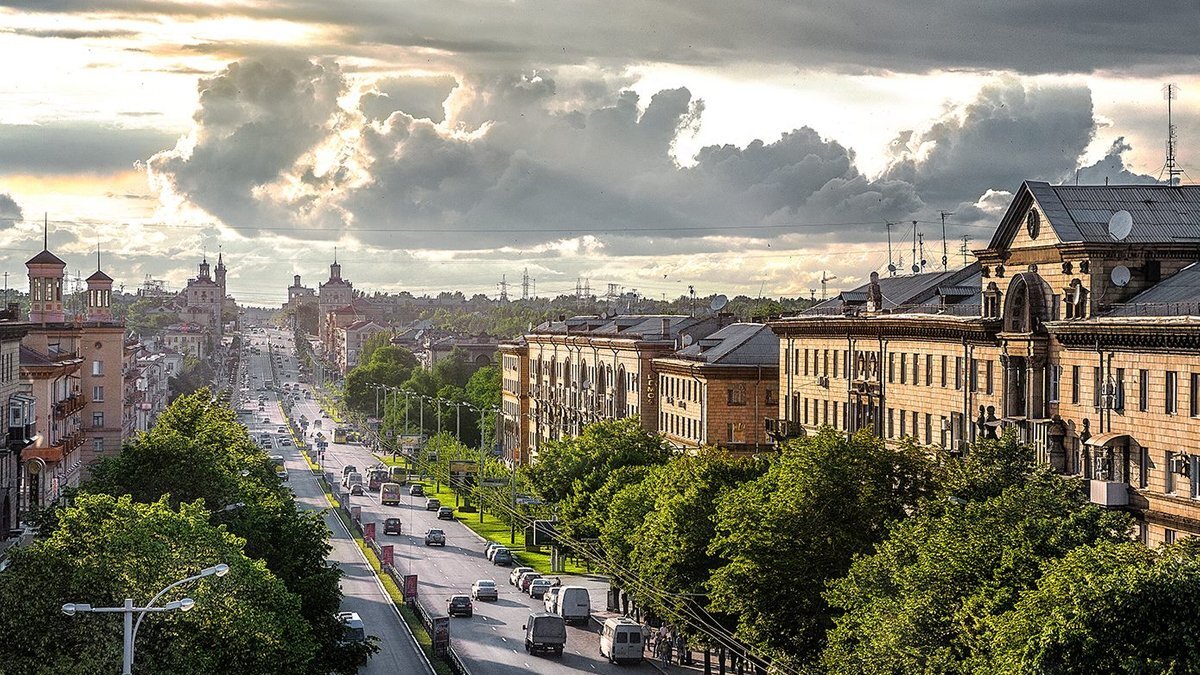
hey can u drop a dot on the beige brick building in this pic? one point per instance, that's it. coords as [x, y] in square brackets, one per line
[1078, 327]
[514, 400]
[717, 390]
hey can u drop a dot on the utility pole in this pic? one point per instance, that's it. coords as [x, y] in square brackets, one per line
[964, 248]
[891, 260]
[1171, 92]
[945, 256]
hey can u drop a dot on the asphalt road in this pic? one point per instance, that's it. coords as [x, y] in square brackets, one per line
[492, 641]
[361, 590]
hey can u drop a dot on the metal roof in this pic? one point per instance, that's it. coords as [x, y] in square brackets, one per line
[904, 292]
[736, 344]
[1178, 294]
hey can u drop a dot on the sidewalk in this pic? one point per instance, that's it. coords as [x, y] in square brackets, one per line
[697, 660]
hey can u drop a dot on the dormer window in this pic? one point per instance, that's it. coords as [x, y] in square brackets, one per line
[991, 301]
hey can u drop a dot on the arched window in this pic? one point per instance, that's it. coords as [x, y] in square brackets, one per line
[1026, 307]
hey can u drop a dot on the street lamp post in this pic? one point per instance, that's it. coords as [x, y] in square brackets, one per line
[128, 610]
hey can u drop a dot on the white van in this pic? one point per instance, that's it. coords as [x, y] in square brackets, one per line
[574, 605]
[621, 641]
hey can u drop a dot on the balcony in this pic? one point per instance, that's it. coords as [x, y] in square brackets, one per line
[782, 430]
[69, 406]
[1108, 492]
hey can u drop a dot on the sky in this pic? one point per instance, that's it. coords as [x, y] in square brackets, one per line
[740, 147]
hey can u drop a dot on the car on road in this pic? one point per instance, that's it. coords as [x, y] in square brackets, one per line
[485, 589]
[356, 490]
[433, 504]
[391, 526]
[435, 537]
[416, 490]
[550, 599]
[514, 575]
[266, 420]
[285, 442]
[526, 579]
[621, 640]
[502, 557]
[355, 629]
[445, 513]
[460, 605]
[545, 633]
[282, 472]
[492, 549]
[281, 430]
[538, 588]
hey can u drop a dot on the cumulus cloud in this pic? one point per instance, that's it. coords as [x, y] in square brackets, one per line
[420, 97]
[1112, 169]
[10, 212]
[1011, 132]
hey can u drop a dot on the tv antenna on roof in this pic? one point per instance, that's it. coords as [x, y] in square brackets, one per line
[945, 251]
[915, 268]
[891, 260]
[825, 279]
[1171, 92]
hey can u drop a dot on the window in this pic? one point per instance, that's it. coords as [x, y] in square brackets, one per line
[1194, 461]
[891, 423]
[891, 367]
[97, 368]
[1143, 390]
[904, 369]
[989, 381]
[916, 369]
[1055, 382]
[1075, 385]
[1097, 386]
[903, 424]
[928, 429]
[974, 374]
[928, 370]
[1170, 474]
[805, 360]
[97, 445]
[914, 421]
[97, 419]
[98, 393]
[835, 415]
[825, 363]
[1195, 395]
[1119, 393]
[958, 372]
[1143, 467]
[1168, 536]
[1171, 397]
[835, 363]
[737, 396]
[729, 432]
[825, 412]
[943, 370]
[806, 411]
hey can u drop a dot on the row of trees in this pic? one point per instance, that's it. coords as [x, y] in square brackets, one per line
[841, 555]
[454, 379]
[192, 492]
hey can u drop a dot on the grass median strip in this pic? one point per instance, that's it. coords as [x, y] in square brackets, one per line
[393, 591]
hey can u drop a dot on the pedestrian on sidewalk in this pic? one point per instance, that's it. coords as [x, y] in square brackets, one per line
[685, 655]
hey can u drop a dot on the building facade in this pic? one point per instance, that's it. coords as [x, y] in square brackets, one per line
[718, 390]
[1076, 329]
[514, 400]
[332, 294]
[19, 428]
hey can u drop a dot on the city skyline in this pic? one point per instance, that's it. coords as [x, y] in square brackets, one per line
[440, 148]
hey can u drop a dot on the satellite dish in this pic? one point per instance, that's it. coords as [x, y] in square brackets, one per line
[719, 303]
[687, 339]
[916, 268]
[1120, 275]
[1120, 225]
[892, 268]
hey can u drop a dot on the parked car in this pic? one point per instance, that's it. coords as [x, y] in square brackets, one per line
[445, 513]
[435, 537]
[526, 579]
[356, 490]
[460, 605]
[282, 472]
[485, 589]
[502, 557]
[391, 526]
[516, 574]
[538, 588]
[416, 490]
[433, 504]
[550, 599]
[545, 633]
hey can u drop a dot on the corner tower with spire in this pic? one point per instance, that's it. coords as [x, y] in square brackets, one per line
[46, 272]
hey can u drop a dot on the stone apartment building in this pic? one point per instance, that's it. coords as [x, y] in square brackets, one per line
[590, 368]
[332, 294]
[1078, 328]
[718, 390]
[18, 429]
[514, 400]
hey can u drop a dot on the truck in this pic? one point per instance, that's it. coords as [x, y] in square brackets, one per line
[389, 494]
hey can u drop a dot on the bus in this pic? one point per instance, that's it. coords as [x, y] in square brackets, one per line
[399, 474]
[389, 494]
[339, 434]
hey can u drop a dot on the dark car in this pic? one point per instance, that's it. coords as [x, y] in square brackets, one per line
[356, 489]
[391, 526]
[445, 513]
[417, 490]
[435, 537]
[502, 557]
[460, 605]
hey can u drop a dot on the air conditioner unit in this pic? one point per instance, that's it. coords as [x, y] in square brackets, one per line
[1180, 464]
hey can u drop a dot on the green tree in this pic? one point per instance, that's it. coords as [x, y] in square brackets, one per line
[921, 602]
[455, 368]
[388, 366]
[570, 471]
[1105, 608]
[193, 376]
[671, 545]
[105, 549]
[824, 500]
[198, 451]
[629, 495]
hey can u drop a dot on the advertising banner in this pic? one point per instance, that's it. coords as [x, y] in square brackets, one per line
[368, 531]
[386, 555]
[441, 635]
[410, 587]
[356, 513]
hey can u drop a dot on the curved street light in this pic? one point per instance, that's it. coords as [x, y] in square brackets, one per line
[184, 605]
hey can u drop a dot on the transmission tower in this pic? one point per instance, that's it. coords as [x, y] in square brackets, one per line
[503, 288]
[525, 281]
[1171, 92]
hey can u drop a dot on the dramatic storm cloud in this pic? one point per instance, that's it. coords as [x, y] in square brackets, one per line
[10, 211]
[67, 148]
